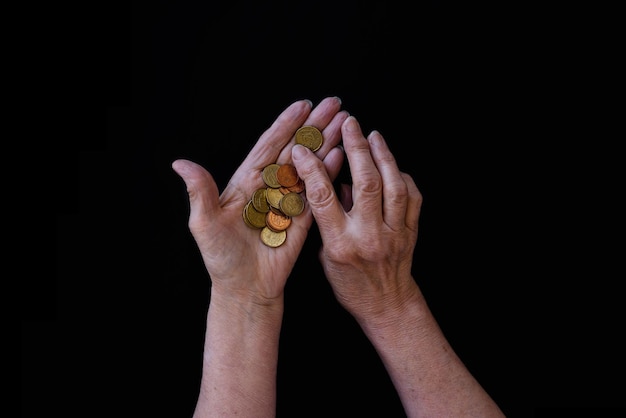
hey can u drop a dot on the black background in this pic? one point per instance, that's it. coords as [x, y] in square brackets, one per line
[119, 331]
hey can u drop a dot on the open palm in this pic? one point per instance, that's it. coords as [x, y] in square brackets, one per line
[233, 253]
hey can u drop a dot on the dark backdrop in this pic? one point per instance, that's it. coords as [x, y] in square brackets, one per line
[120, 331]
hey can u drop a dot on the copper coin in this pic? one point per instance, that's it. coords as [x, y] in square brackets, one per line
[277, 222]
[297, 188]
[287, 175]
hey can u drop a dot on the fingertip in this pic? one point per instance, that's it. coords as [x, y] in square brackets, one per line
[336, 99]
[189, 171]
[298, 108]
[351, 124]
[374, 135]
[180, 166]
[298, 152]
[375, 138]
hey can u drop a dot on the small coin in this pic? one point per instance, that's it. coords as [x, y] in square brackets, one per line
[277, 211]
[287, 175]
[255, 218]
[266, 210]
[292, 204]
[277, 221]
[271, 238]
[273, 197]
[245, 216]
[310, 137]
[298, 187]
[259, 200]
[269, 175]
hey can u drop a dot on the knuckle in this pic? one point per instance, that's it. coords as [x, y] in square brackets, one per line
[319, 195]
[399, 194]
[369, 183]
[308, 167]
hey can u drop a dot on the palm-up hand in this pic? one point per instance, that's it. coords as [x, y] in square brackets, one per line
[233, 253]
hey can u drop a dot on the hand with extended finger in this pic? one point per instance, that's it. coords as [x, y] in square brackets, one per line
[368, 234]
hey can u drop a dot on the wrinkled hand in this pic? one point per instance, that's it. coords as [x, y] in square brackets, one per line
[368, 235]
[233, 253]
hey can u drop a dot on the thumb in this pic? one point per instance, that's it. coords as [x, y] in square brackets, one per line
[201, 188]
[320, 193]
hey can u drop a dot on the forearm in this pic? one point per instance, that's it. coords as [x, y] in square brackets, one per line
[429, 377]
[240, 358]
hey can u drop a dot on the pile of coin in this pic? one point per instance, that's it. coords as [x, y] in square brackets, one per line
[271, 208]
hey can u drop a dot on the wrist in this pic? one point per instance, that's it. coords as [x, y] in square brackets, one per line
[406, 309]
[245, 304]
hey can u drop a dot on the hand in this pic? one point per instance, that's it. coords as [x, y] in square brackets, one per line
[370, 234]
[235, 257]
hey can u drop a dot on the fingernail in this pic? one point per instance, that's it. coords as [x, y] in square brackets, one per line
[298, 151]
[338, 99]
[309, 102]
[374, 136]
[351, 124]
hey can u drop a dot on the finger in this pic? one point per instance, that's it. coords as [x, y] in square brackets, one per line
[395, 192]
[319, 192]
[332, 134]
[345, 195]
[366, 180]
[326, 117]
[414, 203]
[333, 162]
[248, 175]
[202, 191]
[273, 140]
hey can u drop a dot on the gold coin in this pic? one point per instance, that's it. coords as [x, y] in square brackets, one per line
[266, 209]
[259, 200]
[277, 211]
[254, 217]
[273, 197]
[269, 175]
[310, 137]
[271, 238]
[245, 216]
[292, 204]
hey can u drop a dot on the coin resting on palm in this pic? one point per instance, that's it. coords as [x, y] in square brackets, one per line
[272, 238]
[310, 137]
[271, 208]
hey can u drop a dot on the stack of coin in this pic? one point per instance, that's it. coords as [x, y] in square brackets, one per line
[271, 208]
